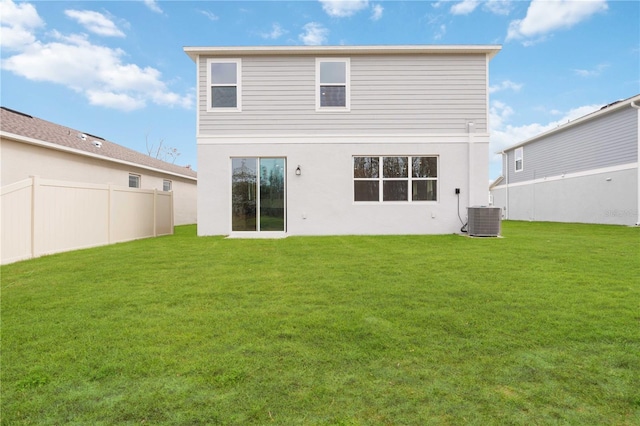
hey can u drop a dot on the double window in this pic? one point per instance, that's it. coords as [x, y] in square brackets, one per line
[332, 84]
[225, 89]
[410, 178]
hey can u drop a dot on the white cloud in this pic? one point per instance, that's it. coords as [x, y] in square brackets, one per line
[465, 7]
[119, 101]
[343, 8]
[212, 16]
[18, 21]
[275, 33]
[442, 30]
[153, 5]
[376, 12]
[498, 7]
[505, 85]
[95, 22]
[97, 72]
[546, 16]
[593, 72]
[314, 34]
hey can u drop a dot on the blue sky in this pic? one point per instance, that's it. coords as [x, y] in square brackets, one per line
[116, 69]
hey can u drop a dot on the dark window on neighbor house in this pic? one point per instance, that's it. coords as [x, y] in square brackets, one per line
[134, 180]
[519, 159]
[404, 178]
[166, 185]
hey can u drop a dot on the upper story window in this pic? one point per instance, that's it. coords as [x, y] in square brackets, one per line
[332, 84]
[225, 84]
[134, 180]
[166, 185]
[519, 157]
[395, 178]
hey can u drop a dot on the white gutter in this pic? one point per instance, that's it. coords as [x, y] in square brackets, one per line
[637, 107]
[193, 51]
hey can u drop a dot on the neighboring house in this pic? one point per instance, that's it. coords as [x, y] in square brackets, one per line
[312, 140]
[583, 171]
[30, 146]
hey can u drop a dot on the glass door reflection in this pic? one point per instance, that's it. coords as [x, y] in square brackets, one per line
[258, 194]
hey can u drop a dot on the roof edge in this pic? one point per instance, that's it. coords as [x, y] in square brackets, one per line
[57, 147]
[609, 108]
[195, 51]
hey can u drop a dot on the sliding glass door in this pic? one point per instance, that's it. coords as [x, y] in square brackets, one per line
[258, 195]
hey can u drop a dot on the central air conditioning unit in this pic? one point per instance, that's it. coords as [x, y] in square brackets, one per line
[484, 221]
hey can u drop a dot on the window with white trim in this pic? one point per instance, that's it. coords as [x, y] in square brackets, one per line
[166, 185]
[519, 157]
[134, 180]
[225, 84]
[388, 179]
[332, 84]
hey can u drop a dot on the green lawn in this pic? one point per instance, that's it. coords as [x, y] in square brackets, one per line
[539, 327]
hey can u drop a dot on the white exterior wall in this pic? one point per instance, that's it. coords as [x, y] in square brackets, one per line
[21, 161]
[320, 200]
[603, 196]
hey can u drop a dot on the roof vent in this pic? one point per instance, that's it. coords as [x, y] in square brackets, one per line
[82, 136]
[97, 144]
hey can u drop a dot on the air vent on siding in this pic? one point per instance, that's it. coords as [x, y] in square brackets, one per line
[484, 221]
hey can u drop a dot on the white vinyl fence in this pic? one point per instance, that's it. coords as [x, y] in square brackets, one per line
[42, 216]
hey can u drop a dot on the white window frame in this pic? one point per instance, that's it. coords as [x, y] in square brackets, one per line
[138, 179]
[347, 84]
[164, 185]
[409, 179]
[518, 155]
[238, 85]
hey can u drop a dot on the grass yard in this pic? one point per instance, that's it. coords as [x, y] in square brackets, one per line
[539, 327]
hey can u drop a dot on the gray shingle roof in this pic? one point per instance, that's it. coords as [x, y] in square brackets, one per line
[41, 130]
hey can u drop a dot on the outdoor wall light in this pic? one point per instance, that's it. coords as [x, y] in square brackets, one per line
[298, 171]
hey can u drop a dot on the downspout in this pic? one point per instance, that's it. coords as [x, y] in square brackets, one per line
[470, 151]
[637, 107]
[505, 167]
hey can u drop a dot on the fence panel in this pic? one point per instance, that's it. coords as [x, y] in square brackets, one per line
[41, 216]
[132, 214]
[164, 213]
[16, 222]
[70, 215]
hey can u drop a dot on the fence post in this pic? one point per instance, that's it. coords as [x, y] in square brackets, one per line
[110, 214]
[155, 212]
[171, 210]
[35, 193]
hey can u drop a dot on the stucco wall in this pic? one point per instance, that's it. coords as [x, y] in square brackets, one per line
[606, 198]
[320, 200]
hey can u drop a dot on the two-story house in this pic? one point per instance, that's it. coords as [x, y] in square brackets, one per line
[312, 140]
[583, 171]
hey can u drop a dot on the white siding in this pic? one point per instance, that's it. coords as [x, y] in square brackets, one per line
[404, 94]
